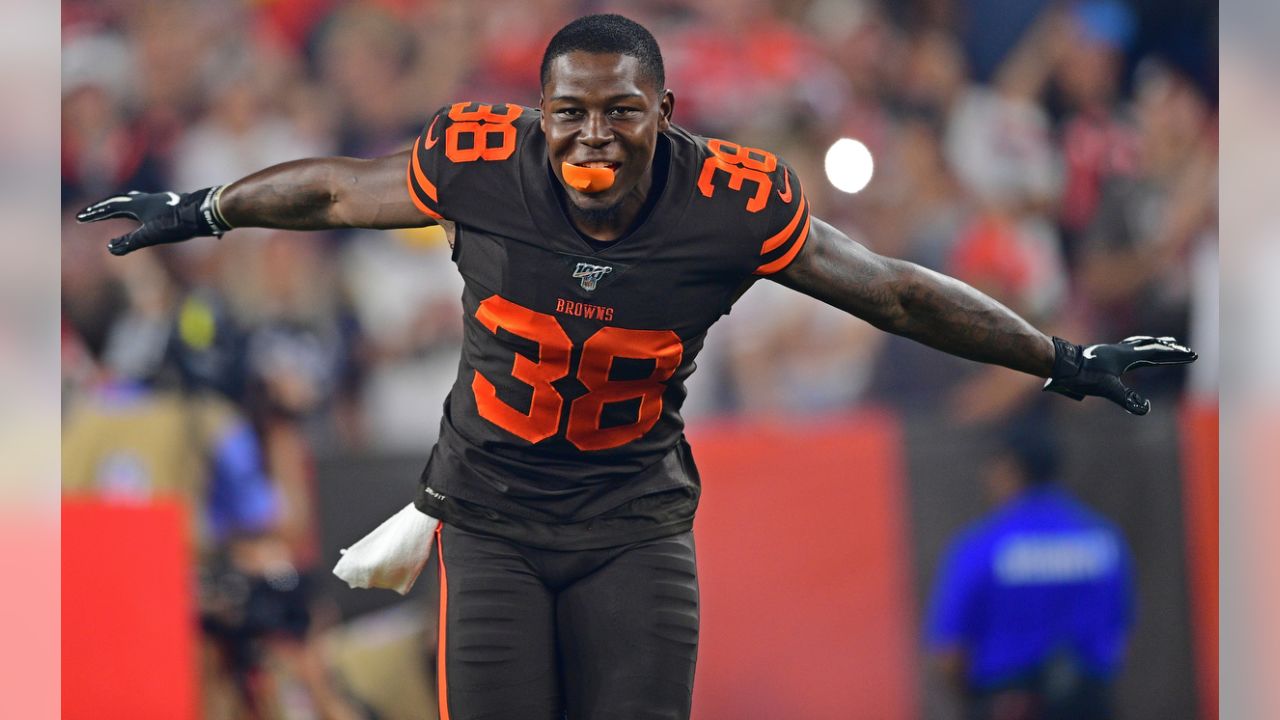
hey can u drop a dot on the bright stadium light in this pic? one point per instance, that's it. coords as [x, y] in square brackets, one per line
[849, 165]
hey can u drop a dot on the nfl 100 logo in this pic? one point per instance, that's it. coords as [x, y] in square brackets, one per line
[591, 274]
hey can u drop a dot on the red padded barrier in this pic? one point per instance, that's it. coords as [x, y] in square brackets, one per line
[803, 558]
[128, 621]
[1200, 494]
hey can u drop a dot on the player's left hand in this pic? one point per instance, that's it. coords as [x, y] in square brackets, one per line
[1096, 370]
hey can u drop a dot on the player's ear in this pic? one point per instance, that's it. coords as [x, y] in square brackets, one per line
[666, 107]
[542, 115]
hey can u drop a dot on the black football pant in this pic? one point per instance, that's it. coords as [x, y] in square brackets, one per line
[529, 634]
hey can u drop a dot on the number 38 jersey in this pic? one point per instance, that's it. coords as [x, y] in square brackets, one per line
[566, 410]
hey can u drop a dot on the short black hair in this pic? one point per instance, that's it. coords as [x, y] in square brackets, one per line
[607, 34]
[1029, 441]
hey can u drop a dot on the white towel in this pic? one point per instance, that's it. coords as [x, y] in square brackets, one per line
[392, 555]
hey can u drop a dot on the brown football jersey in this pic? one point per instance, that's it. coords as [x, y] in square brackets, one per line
[567, 402]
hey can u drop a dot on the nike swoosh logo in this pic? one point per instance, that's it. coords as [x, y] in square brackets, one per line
[173, 198]
[785, 193]
[431, 138]
[1088, 352]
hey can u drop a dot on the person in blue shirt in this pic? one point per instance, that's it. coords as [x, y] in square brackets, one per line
[1033, 604]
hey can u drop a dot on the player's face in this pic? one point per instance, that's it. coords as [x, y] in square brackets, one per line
[600, 108]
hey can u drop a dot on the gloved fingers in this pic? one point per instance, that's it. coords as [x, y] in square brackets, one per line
[1127, 398]
[112, 207]
[1156, 351]
[1135, 403]
[126, 244]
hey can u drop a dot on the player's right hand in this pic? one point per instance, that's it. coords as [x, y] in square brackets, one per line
[165, 217]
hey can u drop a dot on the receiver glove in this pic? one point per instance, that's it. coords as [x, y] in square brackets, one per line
[1096, 370]
[166, 217]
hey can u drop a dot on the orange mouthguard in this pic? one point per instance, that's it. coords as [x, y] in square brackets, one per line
[587, 179]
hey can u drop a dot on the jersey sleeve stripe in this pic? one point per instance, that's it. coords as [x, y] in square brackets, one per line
[413, 195]
[421, 188]
[424, 182]
[782, 262]
[776, 241]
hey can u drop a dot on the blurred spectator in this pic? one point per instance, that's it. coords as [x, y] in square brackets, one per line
[991, 29]
[509, 40]
[298, 345]
[241, 131]
[290, 22]
[1015, 261]
[92, 298]
[142, 431]
[998, 144]
[740, 71]
[208, 345]
[293, 374]
[134, 438]
[976, 182]
[1032, 607]
[790, 354]
[1135, 268]
[999, 148]
[172, 41]
[103, 148]
[1077, 50]
[920, 182]
[380, 75]
[405, 292]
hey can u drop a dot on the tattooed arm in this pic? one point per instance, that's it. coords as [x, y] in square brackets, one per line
[321, 193]
[912, 301]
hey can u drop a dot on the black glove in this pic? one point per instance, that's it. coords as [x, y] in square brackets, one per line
[166, 217]
[1096, 370]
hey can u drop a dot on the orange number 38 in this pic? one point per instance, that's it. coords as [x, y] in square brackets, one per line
[599, 351]
[740, 163]
[492, 136]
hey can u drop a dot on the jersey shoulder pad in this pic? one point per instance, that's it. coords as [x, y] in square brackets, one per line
[750, 189]
[464, 146]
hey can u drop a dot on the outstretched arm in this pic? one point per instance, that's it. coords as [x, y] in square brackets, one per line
[312, 194]
[944, 313]
[323, 193]
[915, 302]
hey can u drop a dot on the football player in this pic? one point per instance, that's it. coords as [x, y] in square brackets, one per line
[598, 242]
